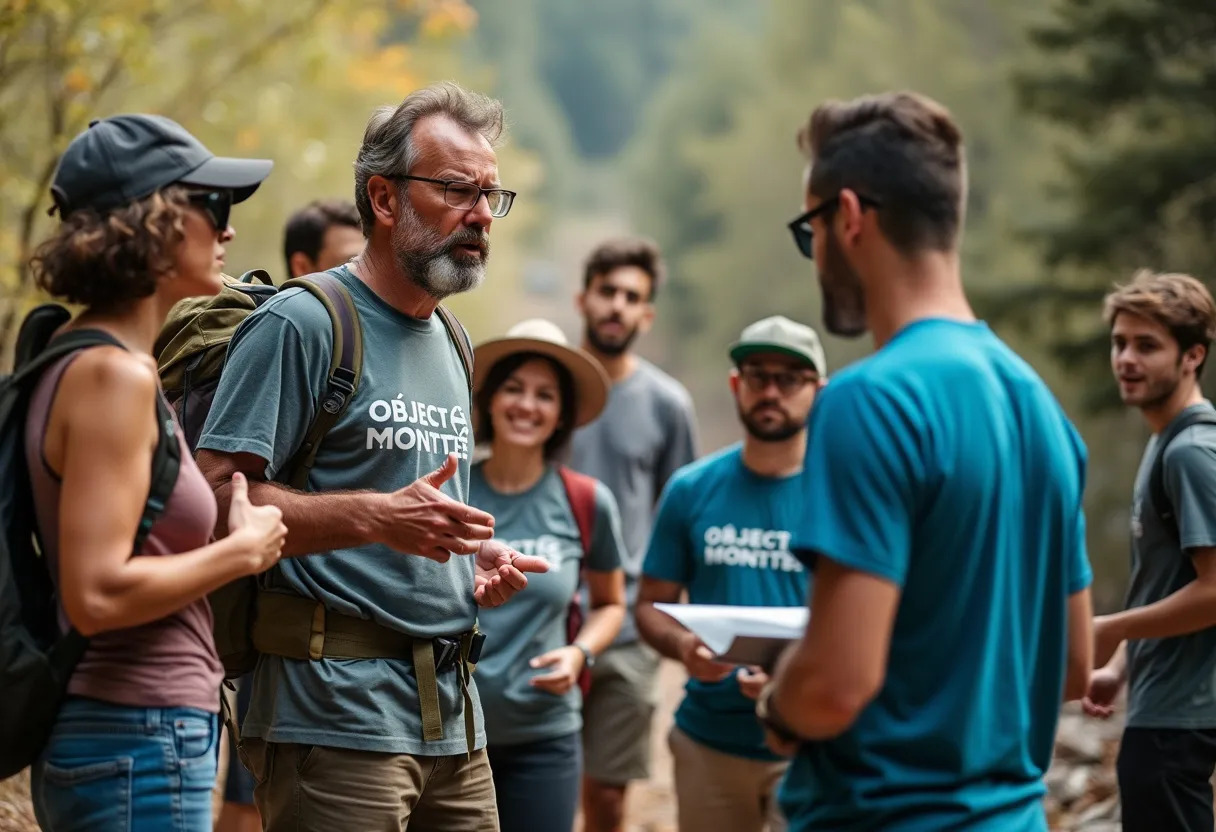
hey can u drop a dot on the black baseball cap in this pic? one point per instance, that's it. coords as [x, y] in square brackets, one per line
[121, 159]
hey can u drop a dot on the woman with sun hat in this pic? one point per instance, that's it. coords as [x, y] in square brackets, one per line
[531, 390]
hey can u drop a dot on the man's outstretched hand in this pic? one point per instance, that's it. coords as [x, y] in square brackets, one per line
[500, 572]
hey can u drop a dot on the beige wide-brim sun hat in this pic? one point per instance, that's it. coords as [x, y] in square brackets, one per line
[537, 335]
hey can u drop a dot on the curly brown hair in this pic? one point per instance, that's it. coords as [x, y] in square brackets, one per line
[105, 260]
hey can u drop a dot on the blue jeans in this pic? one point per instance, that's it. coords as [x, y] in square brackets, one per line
[111, 768]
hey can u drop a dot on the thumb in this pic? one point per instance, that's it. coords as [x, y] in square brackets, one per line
[443, 473]
[545, 659]
[240, 488]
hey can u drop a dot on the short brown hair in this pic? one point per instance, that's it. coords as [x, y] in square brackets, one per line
[106, 260]
[900, 149]
[388, 147]
[640, 252]
[1179, 302]
[305, 230]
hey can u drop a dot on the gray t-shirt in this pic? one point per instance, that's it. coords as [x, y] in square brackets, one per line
[538, 522]
[410, 411]
[1172, 681]
[646, 431]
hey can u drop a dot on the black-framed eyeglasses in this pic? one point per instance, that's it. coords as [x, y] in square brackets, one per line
[788, 382]
[464, 195]
[800, 226]
[216, 204]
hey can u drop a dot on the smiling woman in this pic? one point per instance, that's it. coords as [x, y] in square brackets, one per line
[531, 391]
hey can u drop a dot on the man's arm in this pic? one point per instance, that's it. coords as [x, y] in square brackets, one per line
[418, 519]
[822, 683]
[670, 637]
[1080, 660]
[1191, 609]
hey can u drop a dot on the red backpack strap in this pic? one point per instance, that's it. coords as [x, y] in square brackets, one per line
[580, 491]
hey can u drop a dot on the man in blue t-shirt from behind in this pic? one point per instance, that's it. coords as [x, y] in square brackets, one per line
[940, 509]
[716, 536]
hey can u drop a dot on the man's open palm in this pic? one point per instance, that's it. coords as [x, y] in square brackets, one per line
[500, 572]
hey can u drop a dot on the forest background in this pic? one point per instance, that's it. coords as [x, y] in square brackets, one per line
[1089, 129]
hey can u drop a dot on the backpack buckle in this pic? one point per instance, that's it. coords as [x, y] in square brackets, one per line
[341, 387]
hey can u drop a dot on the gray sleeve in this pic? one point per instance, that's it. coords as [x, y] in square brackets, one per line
[1190, 483]
[681, 447]
[267, 393]
[607, 545]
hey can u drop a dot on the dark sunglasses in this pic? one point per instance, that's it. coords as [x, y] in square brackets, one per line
[800, 226]
[217, 205]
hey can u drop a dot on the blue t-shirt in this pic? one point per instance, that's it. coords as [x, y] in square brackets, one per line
[716, 534]
[943, 464]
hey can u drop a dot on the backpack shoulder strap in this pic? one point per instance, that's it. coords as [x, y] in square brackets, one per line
[580, 491]
[1156, 480]
[166, 459]
[461, 338]
[345, 369]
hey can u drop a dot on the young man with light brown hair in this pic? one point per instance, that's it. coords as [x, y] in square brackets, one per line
[1163, 646]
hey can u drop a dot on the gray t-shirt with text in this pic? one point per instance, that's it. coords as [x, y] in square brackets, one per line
[537, 522]
[646, 431]
[411, 410]
[1172, 681]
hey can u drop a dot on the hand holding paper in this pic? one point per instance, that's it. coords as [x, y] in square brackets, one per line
[741, 635]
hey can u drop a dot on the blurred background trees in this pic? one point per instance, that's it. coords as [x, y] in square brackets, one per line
[1089, 129]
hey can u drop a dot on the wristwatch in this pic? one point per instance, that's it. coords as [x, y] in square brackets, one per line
[588, 656]
[769, 719]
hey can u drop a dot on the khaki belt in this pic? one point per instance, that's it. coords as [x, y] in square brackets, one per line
[301, 628]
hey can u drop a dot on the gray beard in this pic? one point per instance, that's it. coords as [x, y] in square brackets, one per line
[427, 260]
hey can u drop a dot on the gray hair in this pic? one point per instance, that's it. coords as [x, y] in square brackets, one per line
[388, 147]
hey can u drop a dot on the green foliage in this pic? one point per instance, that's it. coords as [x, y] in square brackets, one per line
[1131, 84]
[291, 82]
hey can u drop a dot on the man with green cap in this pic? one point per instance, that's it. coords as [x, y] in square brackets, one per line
[716, 536]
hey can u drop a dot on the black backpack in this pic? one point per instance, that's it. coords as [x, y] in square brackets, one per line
[1156, 478]
[36, 657]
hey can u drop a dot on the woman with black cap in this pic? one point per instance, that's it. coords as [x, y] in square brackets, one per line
[144, 218]
[531, 390]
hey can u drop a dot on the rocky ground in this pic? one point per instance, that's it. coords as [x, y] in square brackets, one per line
[1081, 783]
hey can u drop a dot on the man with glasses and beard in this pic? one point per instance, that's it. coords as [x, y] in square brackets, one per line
[646, 431]
[1163, 646]
[716, 536]
[377, 725]
[940, 509]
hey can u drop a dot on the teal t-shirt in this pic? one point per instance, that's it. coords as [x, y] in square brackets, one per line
[411, 410]
[538, 522]
[716, 533]
[943, 464]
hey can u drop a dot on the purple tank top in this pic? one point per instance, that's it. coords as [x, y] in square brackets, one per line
[167, 663]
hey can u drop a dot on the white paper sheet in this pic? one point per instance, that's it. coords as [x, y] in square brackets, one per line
[719, 625]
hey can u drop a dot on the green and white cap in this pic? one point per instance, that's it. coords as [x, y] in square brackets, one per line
[779, 334]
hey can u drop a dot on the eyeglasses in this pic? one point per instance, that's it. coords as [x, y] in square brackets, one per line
[788, 382]
[217, 205]
[464, 195]
[800, 226]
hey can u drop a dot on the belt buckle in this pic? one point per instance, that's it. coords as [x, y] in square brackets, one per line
[446, 651]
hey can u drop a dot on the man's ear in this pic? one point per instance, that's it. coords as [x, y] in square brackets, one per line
[849, 217]
[301, 264]
[382, 193]
[733, 380]
[1194, 356]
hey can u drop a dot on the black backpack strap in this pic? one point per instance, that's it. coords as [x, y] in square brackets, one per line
[1156, 480]
[345, 369]
[260, 275]
[460, 338]
[166, 462]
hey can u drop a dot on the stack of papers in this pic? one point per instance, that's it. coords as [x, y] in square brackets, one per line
[742, 635]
